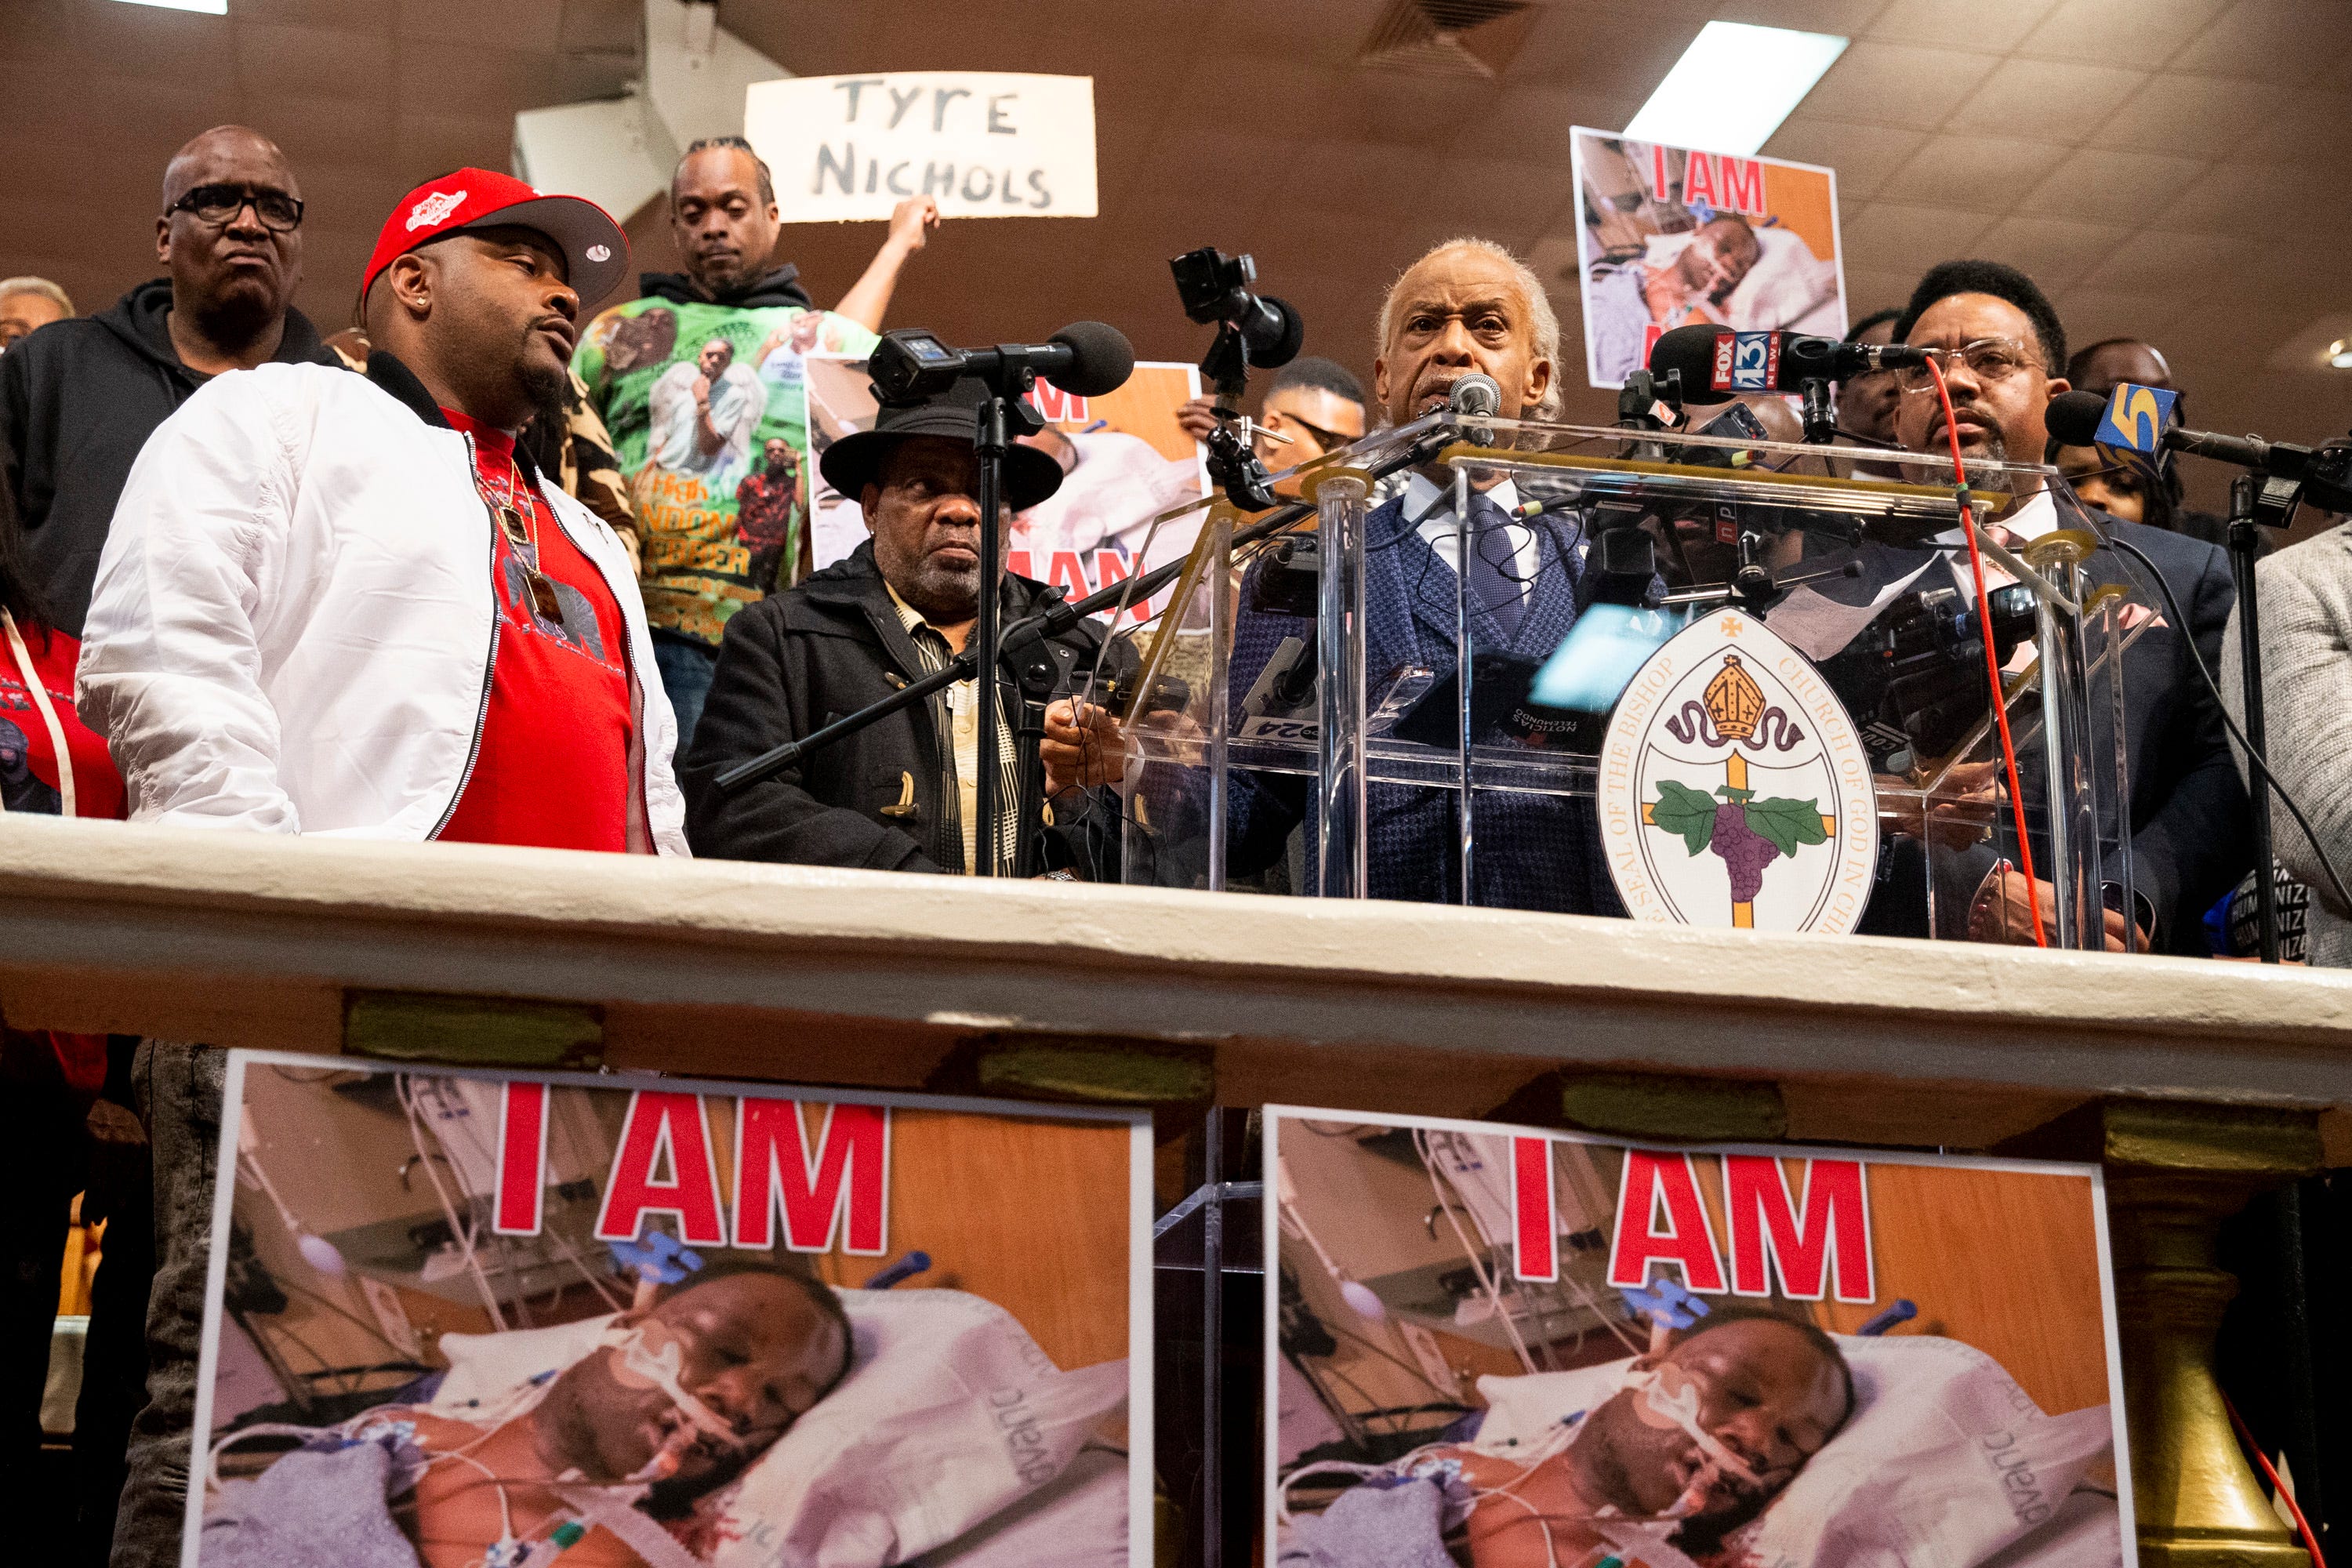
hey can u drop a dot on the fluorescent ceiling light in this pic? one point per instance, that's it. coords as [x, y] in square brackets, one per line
[1734, 86]
[209, 7]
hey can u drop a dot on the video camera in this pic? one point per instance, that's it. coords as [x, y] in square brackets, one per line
[1914, 678]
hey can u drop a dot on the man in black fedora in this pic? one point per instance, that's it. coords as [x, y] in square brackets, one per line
[899, 796]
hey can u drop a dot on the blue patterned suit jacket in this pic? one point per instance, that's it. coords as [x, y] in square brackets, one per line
[1532, 852]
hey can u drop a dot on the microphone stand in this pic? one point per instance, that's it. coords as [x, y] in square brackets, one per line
[990, 442]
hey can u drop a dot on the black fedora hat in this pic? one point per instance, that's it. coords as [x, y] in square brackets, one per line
[855, 460]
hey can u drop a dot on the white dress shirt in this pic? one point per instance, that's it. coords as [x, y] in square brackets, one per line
[1431, 512]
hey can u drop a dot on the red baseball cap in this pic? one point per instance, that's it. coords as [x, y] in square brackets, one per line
[595, 251]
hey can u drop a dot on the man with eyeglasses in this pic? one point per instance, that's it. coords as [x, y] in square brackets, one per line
[77, 403]
[1313, 404]
[2000, 343]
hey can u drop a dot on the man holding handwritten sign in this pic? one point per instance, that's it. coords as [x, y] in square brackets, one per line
[980, 143]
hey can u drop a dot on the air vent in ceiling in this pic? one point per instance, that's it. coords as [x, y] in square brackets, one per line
[1449, 38]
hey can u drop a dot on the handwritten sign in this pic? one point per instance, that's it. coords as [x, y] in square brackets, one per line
[981, 144]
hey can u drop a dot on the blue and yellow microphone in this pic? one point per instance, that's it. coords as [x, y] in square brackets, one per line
[2131, 429]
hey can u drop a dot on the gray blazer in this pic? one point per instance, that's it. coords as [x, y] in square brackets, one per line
[2306, 599]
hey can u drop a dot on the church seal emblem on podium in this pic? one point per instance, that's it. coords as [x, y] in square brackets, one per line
[1733, 789]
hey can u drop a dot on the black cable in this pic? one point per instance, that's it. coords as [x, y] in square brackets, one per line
[2197, 658]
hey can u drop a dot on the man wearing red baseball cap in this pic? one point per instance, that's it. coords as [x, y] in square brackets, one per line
[349, 605]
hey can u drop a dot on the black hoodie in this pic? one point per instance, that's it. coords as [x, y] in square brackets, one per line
[77, 400]
[780, 286]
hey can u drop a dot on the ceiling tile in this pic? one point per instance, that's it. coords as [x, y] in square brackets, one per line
[521, 24]
[2309, 130]
[2189, 116]
[2091, 314]
[1979, 172]
[1545, 118]
[1870, 290]
[2102, 186]
[427, 144]
[2054, 101]
[1993, 26]
[1489, 195]
[41, 30]
[2120, 32]
[1895, 84]
[1559, 52]
[2156, 260]
[354, 196]
[328, 130]
[274, 59]
[1889, 237]
[1847, 18]
[603, 25]
[452, 80]
[2236, 198]
[2284, 41]
[317, 13]
[133, 40]
[2055, 252]
[1349, 174]
[1863, 155]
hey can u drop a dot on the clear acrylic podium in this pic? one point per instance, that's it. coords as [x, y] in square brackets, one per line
[1301, 728]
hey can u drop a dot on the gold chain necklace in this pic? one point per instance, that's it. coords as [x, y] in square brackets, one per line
[522, 538]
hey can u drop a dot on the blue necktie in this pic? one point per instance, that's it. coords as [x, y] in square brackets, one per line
[1491, 566]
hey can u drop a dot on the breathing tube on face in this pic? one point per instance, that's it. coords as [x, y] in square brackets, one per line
[644, 1364]
[1669, 1398]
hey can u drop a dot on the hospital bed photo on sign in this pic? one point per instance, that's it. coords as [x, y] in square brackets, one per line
[1503, 1347]
[506, 1321]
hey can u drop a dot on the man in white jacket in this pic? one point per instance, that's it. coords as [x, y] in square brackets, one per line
[348, 605]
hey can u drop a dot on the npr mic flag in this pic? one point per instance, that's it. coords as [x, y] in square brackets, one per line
[2131, 432]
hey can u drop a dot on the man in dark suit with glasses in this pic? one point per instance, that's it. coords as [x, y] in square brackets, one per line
[79, 399]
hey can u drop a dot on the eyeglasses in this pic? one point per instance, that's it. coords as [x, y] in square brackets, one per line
[1330, 440]
[219, 205]
[1988, 359]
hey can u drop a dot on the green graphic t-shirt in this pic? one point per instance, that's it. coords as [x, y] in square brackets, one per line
[709, 409]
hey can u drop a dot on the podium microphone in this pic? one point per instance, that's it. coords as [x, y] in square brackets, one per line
[1469, 398]
[1086, 359]
[1717, 359]
[2136, 425]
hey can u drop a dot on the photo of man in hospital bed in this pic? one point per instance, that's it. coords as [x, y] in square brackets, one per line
[674, 1400]
[541, 1398]
[1432, 1408]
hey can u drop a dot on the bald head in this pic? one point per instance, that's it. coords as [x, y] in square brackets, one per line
[232, 276]
[198, 161]
[2103, 364]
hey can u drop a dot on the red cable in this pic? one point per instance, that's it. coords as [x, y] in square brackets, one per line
[2278, 1487]
[1993, 661]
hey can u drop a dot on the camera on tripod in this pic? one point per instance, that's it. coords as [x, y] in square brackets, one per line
[1254, 330]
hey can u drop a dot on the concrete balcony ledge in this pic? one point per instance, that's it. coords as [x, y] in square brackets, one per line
[788, 973]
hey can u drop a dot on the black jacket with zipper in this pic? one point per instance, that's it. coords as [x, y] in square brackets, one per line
[796, 661]
[77, 401]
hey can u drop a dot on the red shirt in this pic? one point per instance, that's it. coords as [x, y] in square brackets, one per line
[28, 756]
[553, 766]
